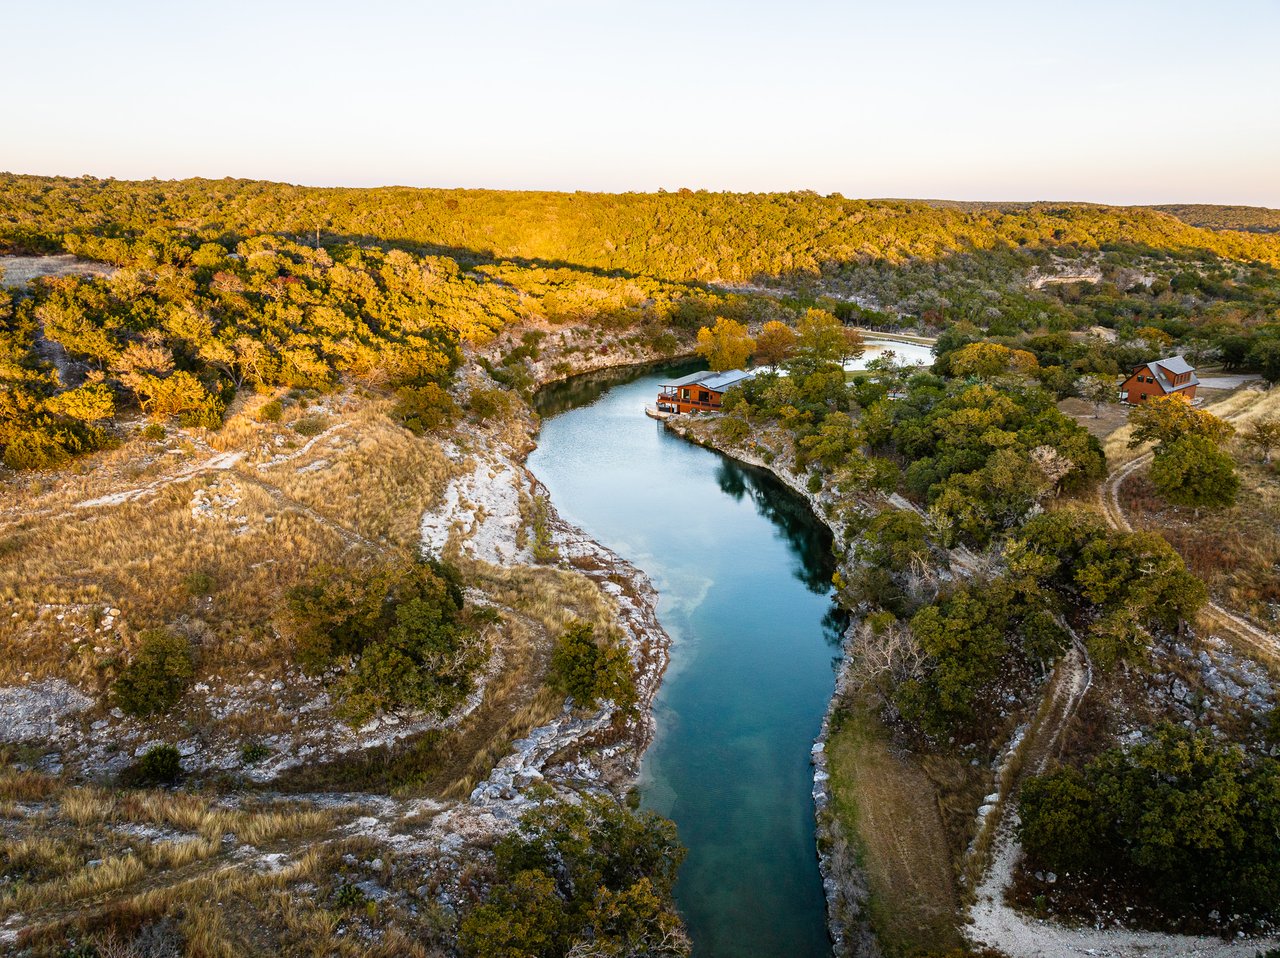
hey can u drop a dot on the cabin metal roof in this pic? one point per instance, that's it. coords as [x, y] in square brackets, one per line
[1176, 364]
[716, 382]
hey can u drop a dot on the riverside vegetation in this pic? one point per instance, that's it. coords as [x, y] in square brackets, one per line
[973, 591]
[378, 337]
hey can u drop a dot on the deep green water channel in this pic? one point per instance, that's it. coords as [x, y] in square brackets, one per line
[744, 573]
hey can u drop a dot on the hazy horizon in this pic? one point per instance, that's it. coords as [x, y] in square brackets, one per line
[986, 201]
[1138, 104]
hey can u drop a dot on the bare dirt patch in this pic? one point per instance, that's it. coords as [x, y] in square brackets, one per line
[20, 270]
[1109, 418]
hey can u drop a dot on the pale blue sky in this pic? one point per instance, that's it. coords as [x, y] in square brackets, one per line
[1126, 102]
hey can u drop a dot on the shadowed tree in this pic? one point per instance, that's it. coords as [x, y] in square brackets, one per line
[775, 344]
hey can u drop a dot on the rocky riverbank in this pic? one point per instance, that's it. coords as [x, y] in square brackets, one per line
[497, 512]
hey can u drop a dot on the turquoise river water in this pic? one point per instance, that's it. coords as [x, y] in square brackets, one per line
[743, 570]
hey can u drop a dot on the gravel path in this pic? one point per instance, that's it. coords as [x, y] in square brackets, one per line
[995, 923]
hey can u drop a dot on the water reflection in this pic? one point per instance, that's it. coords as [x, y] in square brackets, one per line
[809, 540]
[744, 571]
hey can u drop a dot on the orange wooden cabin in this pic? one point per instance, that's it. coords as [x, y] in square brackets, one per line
[1160, 378]
[698, 392]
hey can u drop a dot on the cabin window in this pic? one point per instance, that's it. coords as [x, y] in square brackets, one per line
[684, 393]
[704, 396]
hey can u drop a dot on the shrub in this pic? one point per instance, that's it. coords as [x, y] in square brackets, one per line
[206, 416]
[153, 432]
[544, 548]
[34, 450]
[200, 583]
[160, 672]
[590, 878]
[159, 765]
[733, 429]
[399, 635]
[270, 411]
[309, 426]
[486, 405]
[348, 896]
[589, 671]
[253, 753]
[1192, 471]
[423, 409]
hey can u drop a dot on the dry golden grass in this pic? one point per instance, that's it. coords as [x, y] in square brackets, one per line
[553, 597]
[213, 902]
[23, 786]
[92, 847]
[226, 572]
[1235, 551]
[378, 482]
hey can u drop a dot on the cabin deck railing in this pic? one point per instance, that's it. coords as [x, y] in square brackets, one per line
[673, 400]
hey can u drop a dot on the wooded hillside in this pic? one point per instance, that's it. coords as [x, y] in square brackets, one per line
[685, 235]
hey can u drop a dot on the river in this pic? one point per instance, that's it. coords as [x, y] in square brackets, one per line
[743, 570]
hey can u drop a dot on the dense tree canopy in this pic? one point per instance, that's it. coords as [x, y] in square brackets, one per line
[1197, 822]
[398, 636]
[588, 878]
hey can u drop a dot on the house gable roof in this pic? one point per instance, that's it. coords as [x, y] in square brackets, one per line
[1175, 365]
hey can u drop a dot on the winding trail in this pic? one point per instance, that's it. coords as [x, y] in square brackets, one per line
[218, 463]
[1245, 633]
[993, 921]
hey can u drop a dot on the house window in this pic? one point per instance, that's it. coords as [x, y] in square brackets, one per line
[704, 396]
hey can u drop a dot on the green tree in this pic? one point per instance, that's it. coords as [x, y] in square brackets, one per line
[160, 672]
[588, 878]
[1098, 390]
[1164, 419]
[964, 637]
[398, 635]
[1063, 820]
[835, 442]
[1265, 354]
[726, 345]
[1193, 471]
[1192, 820]
[852, 344]
[820, 340]
[1263, 435]
[589, 670]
